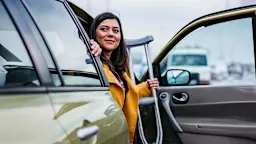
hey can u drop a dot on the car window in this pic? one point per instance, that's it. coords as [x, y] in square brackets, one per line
[188, 60]
[64, 40]
[139, 61]
[16, 68]
[219, 54]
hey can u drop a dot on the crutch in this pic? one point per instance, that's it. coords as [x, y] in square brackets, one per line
[147, 100]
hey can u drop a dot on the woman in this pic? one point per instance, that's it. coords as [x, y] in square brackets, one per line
[107, 31]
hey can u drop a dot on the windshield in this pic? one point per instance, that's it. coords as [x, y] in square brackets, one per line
[189, 60]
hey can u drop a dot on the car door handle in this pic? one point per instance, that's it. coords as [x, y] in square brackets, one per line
[165, 100]
[180, 98]
[85, 133]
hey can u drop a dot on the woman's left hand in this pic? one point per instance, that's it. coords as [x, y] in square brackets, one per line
[96, 50]
[153, 84]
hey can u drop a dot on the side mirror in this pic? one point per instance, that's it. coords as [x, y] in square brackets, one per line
[178, 77]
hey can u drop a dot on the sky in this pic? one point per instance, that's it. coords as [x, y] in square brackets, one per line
[160, 18]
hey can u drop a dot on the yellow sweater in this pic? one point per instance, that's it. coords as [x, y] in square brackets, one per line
[129, 104]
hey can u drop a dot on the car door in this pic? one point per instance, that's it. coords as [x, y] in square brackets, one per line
[25, 108]
[80, 97]
[223, 110]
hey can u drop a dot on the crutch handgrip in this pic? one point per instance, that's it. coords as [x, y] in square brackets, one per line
[146, 101]
[133, 43]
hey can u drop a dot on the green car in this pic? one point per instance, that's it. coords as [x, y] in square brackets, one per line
[49, 94]
[54, 91]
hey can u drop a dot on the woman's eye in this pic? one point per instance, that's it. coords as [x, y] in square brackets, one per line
[116, 31]
[103, 29]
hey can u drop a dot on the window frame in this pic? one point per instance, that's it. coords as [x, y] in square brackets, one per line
[20, 20]
[191, 27]
[95, 60]
[23, 21]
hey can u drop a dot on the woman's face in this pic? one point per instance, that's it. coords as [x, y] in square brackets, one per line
[108, 34]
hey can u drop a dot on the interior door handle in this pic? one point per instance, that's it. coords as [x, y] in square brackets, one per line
[180, 98]
[165, 100]
[85, 133]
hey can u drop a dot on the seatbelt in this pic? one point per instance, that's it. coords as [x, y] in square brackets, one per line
[146, 100]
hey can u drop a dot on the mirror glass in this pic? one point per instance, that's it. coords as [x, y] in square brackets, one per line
[177, 77]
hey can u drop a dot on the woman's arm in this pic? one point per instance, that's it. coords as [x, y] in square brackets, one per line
[145, 87]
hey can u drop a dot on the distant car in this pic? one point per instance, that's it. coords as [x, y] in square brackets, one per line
[236, 70]
[195, 60]
[249, 68]
[139, 64]
[219, 71]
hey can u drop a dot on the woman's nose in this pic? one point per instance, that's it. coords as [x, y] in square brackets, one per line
[110, 33]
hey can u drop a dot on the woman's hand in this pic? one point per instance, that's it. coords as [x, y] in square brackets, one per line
[96, 50]
[153, 84]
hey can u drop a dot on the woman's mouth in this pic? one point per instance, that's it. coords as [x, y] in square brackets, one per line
[110, 41]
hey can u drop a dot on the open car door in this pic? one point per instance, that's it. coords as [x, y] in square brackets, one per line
[214, 111]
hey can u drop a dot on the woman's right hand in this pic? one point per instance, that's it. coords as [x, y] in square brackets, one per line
[154, 83]
[96, 50]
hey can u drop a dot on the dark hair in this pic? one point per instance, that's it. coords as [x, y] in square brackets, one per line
[119, 58]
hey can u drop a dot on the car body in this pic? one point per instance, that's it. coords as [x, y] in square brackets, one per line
[49, 94]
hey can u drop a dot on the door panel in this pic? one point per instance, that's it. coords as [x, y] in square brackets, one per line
[212, 139]
[28, 119]
[26, 113]
[76, 110]
[226, 112]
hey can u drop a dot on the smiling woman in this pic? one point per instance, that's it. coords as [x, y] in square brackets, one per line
[107, 31]
[108, 35]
